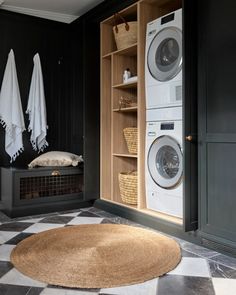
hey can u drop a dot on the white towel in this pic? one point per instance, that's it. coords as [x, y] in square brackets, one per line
[11, 115]
[37, 108]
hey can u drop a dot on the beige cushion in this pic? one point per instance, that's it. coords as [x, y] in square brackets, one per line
[56, 158]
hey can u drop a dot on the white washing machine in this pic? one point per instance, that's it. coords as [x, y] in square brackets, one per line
[164, 161]
[163, 66]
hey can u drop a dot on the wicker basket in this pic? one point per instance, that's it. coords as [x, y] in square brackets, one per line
[125, 33]
[131, 137]
[128, 183]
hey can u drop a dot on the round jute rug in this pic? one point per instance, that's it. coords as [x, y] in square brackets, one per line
[96, 256]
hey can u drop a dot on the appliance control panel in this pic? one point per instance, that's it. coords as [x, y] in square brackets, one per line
[167, 126]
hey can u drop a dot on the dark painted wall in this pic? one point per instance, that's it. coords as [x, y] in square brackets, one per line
[59, 50]
[88, 26]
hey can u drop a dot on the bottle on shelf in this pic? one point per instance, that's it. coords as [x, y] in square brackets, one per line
[126, 75]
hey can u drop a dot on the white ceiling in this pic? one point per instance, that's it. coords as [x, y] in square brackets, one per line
[60, 10]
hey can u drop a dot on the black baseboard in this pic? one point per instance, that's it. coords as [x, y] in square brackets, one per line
[37, 209]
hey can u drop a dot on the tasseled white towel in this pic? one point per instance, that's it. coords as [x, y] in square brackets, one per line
[11, 114]
[37, 108]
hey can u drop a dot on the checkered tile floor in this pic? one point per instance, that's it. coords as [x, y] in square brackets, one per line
[201, 271]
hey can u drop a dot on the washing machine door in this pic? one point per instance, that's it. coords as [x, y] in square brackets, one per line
[165, 162]
[164, 57]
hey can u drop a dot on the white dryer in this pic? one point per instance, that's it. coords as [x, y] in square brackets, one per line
[163, 66]
[164, 161]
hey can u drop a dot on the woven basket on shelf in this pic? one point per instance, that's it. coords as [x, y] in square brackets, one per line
[128, 183]
[125, 33]
[131, 137]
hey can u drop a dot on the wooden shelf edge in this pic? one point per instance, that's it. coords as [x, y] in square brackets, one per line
[125, 155]
[130, 50]
[126, 85]
[129, 109]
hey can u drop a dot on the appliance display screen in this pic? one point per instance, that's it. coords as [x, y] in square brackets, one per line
[167, 18]
[167, 126]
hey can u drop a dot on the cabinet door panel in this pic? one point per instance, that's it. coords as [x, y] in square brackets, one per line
[218, 214]
[217, 118]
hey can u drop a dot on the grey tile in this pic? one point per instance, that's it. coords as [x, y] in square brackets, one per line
[224, 286]
[57, 219]
[5, 252]
[35, 216]
[5, 266]
[39, 227]
[106, 220]
[13, 290]
[87, 214]
[16, 278]
[225, 260]
[182, 285]
[17, 239]
[14, 226]
[7, 235]
[85, 220]
[192, 266]
[85, 209]
[95, 210]
[188, 254]
[106, 214]
[148, 287]
[198, 250]
[120, 220]
[69, 211]
[75, 289]
[220, 271]
[34, 291]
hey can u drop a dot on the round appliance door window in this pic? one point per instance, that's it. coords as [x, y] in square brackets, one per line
[165, 54]
[165, 162]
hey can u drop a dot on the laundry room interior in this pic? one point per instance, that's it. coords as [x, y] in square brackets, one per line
[117, 113]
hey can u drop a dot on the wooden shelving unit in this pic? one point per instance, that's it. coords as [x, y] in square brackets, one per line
[126, 85]
[115, 157]
[128, 109]
[126, 155]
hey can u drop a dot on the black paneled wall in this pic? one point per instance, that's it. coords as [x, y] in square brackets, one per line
[59, 50]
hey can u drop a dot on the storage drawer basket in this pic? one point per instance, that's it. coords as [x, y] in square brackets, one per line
[131, 137]
[128, 183]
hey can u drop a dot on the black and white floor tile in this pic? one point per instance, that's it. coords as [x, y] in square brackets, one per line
[201, 271]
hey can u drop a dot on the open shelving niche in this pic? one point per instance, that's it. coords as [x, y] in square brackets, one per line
[115, 157]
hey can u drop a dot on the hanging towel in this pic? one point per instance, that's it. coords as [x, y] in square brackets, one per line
[11, 114]
[37, 108]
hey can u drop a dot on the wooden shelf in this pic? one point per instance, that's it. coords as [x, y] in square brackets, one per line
[128, 51]
[115, 157]
[107, 56]
[125, 155]
[126, 85]
[126, 110]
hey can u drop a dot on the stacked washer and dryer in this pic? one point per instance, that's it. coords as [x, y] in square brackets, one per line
[163, 79]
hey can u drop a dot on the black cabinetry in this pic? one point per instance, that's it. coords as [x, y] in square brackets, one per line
[217, 122]
[32, 191]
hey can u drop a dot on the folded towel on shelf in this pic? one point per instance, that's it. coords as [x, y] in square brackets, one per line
[37, 108]
[11, 114]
